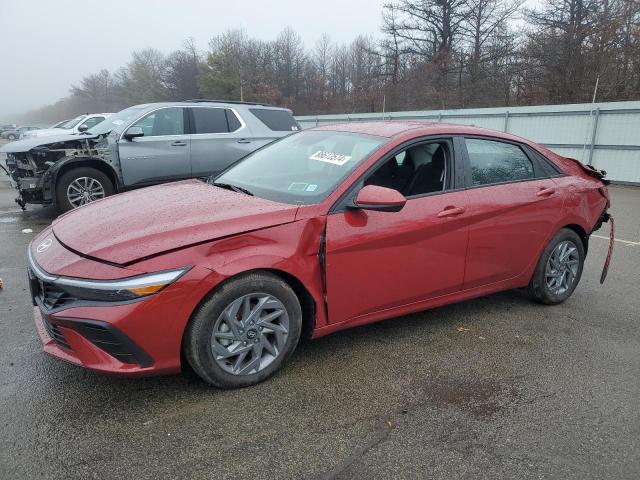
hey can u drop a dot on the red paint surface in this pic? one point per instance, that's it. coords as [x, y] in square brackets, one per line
[438, 249]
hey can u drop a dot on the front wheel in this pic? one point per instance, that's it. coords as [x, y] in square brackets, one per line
[244, 331]
[80, 186]
[11, 137]
[559, 268]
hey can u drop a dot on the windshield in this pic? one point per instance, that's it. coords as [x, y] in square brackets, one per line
[121, 118]
[71, 123]
[303, 168]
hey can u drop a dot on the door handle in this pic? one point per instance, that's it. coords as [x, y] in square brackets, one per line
[179, 143]
[244, 140]
[451, 212]
[546, 192]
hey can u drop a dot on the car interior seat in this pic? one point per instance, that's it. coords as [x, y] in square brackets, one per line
[429, 177]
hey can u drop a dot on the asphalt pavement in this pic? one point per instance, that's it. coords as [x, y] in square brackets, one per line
[497, 387]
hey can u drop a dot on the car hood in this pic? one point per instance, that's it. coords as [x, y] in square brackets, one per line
[27, 144]
[142, 223]
[45, 132]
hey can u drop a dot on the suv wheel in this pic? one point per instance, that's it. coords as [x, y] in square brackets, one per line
[244, 331]
[80, 186]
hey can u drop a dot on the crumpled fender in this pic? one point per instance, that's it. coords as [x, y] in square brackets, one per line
[292, 248]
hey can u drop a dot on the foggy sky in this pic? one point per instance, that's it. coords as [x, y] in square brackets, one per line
[48, 45]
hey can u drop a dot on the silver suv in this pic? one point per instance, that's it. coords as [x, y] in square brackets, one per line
[139, 146]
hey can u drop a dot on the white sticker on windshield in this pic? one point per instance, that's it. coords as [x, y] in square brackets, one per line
[118, 122]
[329, 157]
[297, 187]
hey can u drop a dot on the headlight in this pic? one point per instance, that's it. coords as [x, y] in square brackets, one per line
[119, 290]
[108, 290]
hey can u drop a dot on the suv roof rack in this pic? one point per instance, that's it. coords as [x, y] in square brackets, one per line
[235, 102]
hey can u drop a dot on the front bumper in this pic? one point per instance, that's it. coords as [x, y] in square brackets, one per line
[93, 345]
[135, 338]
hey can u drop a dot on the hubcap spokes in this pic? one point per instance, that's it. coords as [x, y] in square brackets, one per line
[84, 190]
[562, 267]
[250, 333]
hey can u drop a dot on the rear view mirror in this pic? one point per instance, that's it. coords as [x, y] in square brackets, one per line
[133, 132]
[380, 199]
[83, 128]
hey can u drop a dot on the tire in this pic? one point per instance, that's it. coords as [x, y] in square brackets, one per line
[11, 137]
[555, 280]
[94, 177]
[214, 359]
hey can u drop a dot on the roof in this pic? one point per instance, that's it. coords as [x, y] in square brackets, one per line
[387, 128]
[233, 102]
[230, 103]
[392, 128]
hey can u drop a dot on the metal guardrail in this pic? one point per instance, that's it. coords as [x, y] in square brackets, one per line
[630, 172]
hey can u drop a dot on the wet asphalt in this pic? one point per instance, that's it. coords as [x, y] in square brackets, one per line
[497, 387]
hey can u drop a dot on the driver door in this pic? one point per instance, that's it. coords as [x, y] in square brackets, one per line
[377, 260]
[162, 154]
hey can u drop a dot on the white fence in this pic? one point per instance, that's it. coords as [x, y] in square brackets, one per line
[606, 135]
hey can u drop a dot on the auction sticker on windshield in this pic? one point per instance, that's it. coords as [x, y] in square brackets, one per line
[330, 157]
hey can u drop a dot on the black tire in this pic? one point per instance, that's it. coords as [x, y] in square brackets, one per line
[197, 342]
[538, 287]
[11, 137]
[64, 205]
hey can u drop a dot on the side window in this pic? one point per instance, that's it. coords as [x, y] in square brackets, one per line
[93, 121]
[497, 162]
[232, 120]
[209, 120]
[166, 121]
[418, 170]
[276, 120]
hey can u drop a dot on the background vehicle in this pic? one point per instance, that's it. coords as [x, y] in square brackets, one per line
[56, 125]
[15, 133]
[78, 124]
[4, 128]
[142, 145]
[324, 230]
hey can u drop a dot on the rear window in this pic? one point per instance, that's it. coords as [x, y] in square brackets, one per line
[276, 120]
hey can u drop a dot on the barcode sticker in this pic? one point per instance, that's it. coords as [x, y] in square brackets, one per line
[329, 157]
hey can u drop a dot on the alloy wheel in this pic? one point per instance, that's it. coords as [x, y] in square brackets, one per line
[84, 190]
[250, 333]
[562, 267]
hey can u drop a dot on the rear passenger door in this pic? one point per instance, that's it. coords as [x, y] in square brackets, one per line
[219, 137]
[514, 205]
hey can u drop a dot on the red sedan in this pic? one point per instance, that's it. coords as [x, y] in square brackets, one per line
[323, 230]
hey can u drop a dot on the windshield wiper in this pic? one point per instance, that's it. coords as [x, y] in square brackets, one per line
[235, 188]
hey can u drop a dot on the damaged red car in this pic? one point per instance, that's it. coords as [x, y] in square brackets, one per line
[326, 229]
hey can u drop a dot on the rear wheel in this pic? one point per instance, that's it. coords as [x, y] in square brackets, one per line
[244, 331]
[11, 136]
[559, 268]
[80, 186]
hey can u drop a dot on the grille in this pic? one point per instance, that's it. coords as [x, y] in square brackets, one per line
[55, 333]
[50, 296]
[104, 339]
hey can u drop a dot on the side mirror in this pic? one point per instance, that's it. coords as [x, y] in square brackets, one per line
[83, 128]
[380, 199]
[133, 132]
